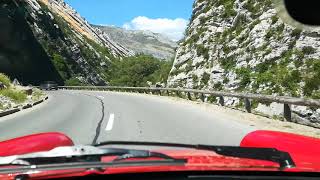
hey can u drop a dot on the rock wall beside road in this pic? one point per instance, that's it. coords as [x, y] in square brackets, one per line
[242, 45]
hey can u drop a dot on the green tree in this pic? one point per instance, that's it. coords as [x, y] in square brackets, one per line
[61, 66]
[137, 70]
[74, 82]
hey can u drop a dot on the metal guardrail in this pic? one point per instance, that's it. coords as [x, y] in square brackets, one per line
[247, 97]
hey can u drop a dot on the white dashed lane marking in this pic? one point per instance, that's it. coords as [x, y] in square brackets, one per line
[110, 122]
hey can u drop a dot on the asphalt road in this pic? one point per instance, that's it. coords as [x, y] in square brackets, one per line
[89, 117]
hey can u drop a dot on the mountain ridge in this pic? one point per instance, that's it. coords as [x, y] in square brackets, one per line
[142, 41]
[81, 25]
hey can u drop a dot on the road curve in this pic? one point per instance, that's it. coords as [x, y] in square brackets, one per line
[88, 117]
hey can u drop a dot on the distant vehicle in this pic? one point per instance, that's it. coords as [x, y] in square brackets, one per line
[49, 85]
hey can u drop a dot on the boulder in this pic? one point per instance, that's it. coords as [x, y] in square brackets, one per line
[28, 91]
[2, 86]
[15, 82]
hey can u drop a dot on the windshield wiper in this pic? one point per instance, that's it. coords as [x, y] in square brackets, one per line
[268, 154]
[122, 154]
[99, 166]
[144, 155]
[84, 157]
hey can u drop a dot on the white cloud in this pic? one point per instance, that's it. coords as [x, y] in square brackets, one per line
[173, 28]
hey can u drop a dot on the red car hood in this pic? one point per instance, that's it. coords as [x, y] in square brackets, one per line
[303, 150]
[197, 160]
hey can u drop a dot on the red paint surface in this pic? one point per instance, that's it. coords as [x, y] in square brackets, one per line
[197, 161]
[34, 143]
[305, 151]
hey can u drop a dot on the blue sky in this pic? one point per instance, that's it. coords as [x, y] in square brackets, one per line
[169, 17]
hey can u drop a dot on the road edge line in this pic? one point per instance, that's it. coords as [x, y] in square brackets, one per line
[23, 107]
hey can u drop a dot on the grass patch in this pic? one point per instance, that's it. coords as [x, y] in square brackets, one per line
[218, 86]
[229, 11]
[252, 6]
[228, 63]
[254, 23]
[202, 51]
[195, 79]
[74, 82]
[5, 80]
[36, 94]
[16, 95]
[270, 33]
[296, 32]
[312, 77]
[244, 74]
[308, 50]
[205, 78]
[193, 39]
[274, 19]
[189, 66]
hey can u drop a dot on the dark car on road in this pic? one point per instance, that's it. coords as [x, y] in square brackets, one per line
[49, 85]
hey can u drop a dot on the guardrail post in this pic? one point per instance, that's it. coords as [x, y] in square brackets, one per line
[189, 96]
[178, 94]
[160, 93]
[168, 93]
[202, 97]
[221, 100]
[247, 105]
[287, 112]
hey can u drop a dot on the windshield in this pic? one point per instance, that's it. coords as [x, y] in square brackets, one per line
[198, 72]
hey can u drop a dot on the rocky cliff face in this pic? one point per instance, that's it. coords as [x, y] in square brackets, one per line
[80, 25]
[145, 42]
[21, 55]
[57, 44]
[242, 45]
